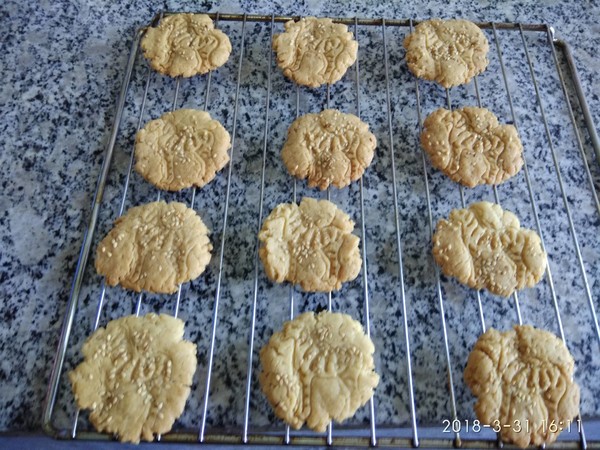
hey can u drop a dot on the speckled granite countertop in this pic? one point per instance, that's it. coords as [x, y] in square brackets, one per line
[61, 66]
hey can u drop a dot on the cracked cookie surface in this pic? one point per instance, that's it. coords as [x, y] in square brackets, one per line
[181, 149]
[328, 148]
[310, 245]
[314, 51]
[154, 247]
[136, 376]
[450, 52]
[185, 45]
[319, 367]
[484, 246]
[471, 147]
[523, 375]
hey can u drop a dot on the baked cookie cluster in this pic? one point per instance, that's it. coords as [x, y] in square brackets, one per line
[523, 378]
[137, 372]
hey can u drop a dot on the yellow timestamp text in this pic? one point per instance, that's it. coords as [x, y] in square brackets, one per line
[517, 426]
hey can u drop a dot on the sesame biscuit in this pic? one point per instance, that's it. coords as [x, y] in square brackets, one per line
[184, 45]
[319, 367]
[523, 381]
[313, 52]
[450, 52]
[310, 245]
[471, 147]
[484, 246]
[328, 148]
[154, 247]
[136, 376]
[181, 149]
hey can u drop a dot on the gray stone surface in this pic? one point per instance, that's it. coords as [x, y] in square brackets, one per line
[61, 66]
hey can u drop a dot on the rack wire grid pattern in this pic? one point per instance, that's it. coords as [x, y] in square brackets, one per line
[423, 325]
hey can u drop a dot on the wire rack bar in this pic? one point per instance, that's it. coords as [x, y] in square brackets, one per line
[527, 177]
[103, 285]
[365, 277]
[412, 407]
[140, 297]
[102, 296]
[477, 291]
[583, 441]
[88, 235]
[286, 438]
[223, 239]
[364, 21]
[551, 41]
[257, 244]
[194, 188]
[124, 197]
[585, 109]
[329, 296]
[497, 200]
[457, 439]
[562, 189]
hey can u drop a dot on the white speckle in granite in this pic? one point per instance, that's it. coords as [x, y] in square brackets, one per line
[31, 247]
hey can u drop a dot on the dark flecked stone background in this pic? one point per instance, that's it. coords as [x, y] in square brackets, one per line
[61, 65]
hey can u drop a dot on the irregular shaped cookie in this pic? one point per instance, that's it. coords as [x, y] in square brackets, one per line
[314, 51]
[136, 376]
[450, 52]
[523, 381]
[185, 45]
[154, 247]
[471, 147]
[485, 247]
[318, 368]
[328, 148]
[310, 245]
[181, 149]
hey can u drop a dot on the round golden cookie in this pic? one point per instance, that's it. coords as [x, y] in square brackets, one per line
[183, 45]
[450, 52]
[314, 51]
[484, 246]
[328, 148]
[523, 381]
[154, 247]
[310, 245]
[181, 149]
[319, 367]
[471, 147]
[136, 376]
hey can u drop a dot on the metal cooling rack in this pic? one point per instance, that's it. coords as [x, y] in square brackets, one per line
[403, 433]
